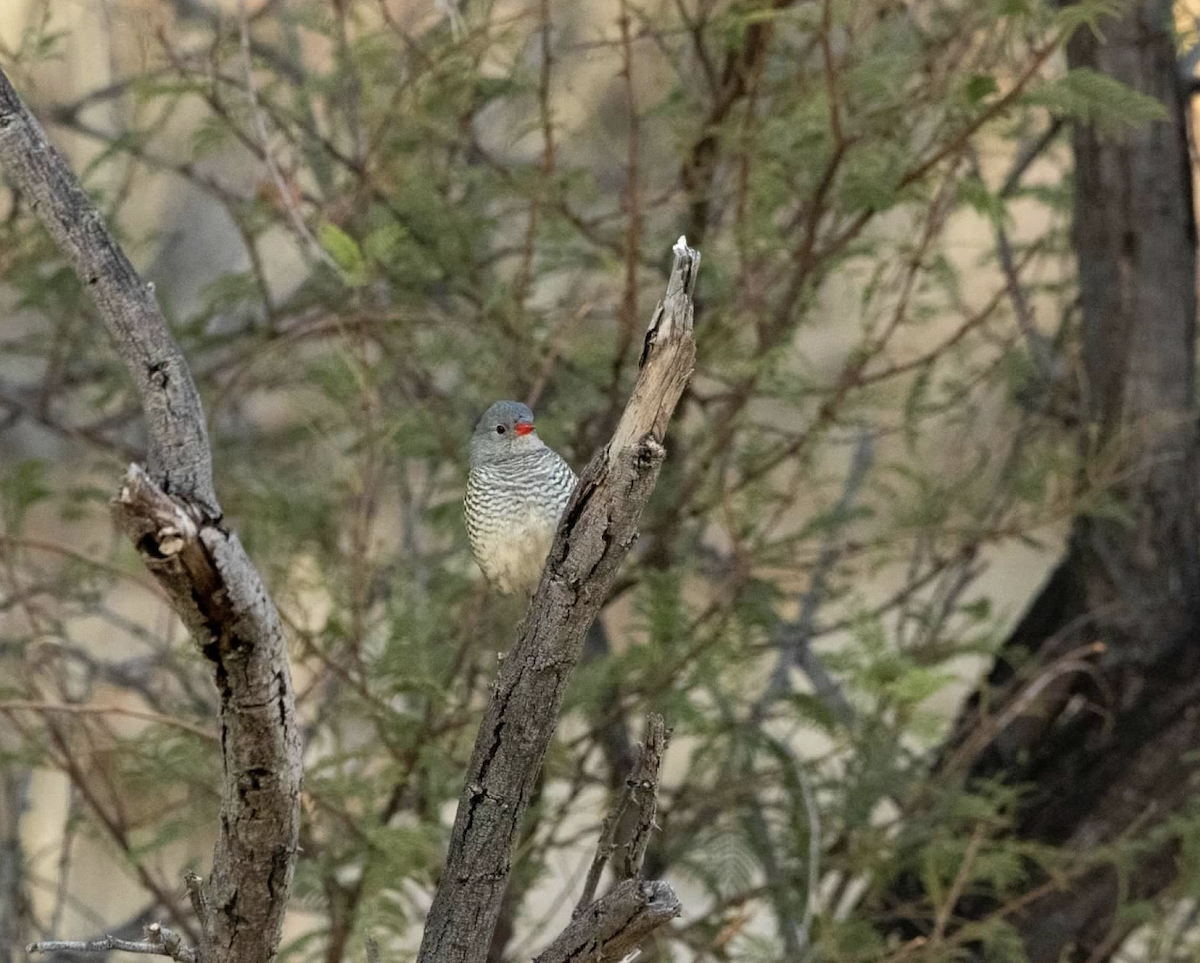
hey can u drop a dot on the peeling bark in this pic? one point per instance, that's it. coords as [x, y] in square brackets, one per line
[615, 924]
[171, 512]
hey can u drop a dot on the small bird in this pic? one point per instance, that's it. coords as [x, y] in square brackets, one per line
[516, 493]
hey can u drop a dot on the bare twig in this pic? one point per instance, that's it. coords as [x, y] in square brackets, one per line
[286, 197]
[159, 941]
[792, 639]
[71, 822]
[178, 458]
[813, 814]
[632, 201]
[65, 551]
[595, 534]
[211, 16]
[83, 708]
[14, 802]
[611, 731]
[1040, 349]
[1027, 154]
[203, 911]
[956, 889]
[739, 72]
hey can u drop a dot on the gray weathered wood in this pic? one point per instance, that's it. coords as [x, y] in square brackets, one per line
[159, 941]
[171, 512]
[595, 534]
[180, 461]
[641, 788]
[644, 789]
[220, 597]
[614, 925]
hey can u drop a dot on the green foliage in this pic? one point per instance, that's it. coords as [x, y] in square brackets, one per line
[22, 487]
[453, 253]
[345, 252]
[1099, 100]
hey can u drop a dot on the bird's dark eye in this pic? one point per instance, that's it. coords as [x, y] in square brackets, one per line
[499, 429]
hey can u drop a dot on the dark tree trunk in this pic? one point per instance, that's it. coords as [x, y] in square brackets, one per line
[1100, 716]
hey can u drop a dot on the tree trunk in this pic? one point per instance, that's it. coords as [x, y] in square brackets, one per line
[1099, 719]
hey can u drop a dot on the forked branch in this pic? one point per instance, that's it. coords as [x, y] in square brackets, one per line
[595, 534]
[170, 510]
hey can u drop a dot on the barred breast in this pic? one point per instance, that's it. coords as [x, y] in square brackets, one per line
[512, 509]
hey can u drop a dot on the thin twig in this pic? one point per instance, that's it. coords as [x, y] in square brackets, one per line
[71, 823]
[65, 551]
[203, 910]
[1027, 154]
[957, 887]
[792, 639]
[159, 941]
[260, 127]
[604, 850]
[813, 815]
[627, 312]
[14, 861]
[83, 708]
[1039, 346]
[545, 186]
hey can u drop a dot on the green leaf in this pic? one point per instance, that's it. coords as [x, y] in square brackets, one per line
[23, 487]
[975, 193]
[869, 181]
[345, 252]
[979, 87]
[1097, 99]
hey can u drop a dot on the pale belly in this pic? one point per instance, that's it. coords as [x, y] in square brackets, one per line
[513, 557]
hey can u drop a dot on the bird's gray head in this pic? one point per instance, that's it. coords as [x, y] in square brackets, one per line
[504, 431]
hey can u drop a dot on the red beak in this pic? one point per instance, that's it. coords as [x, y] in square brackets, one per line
[523, 428]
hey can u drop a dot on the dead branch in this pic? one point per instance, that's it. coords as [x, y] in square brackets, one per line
[597, 529]
[171, 512]
[641, 788]
[605, 847]
[614, 925]
[159, 941]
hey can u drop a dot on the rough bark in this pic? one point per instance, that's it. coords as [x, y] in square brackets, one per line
[641, 790]
[1100, 719]
[179, 457]
[1131, 579]
[597, 529]
[615, 924]
[171, 512]
[222, 600]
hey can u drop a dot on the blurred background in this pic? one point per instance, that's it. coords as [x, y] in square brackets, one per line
[917, 590]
